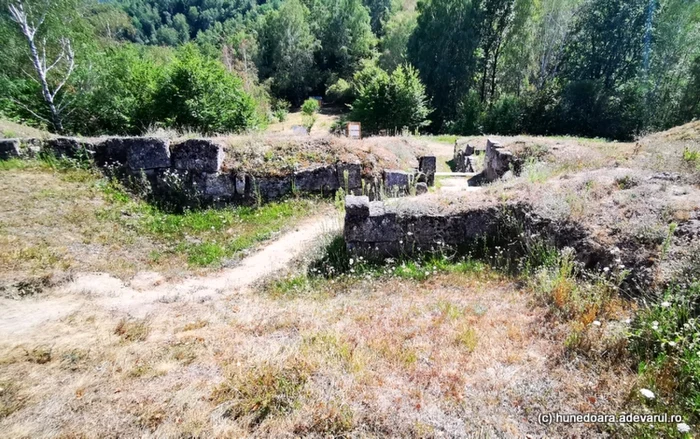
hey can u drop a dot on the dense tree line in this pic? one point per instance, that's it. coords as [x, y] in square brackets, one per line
[610, 68]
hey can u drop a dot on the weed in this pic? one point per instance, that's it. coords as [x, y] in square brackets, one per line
[199, 324]
[74, 360]
[665, 339]
[691, 157]
[536, 171]
[39, 355]
[263, 391]
[626, 182]
[667, 242]
[466, 337]
[132, 329]
[10, 401]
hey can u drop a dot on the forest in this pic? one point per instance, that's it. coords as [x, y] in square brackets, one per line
[614, 69]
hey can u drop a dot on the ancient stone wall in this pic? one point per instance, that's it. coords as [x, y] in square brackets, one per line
[498, 160]
[196, 166]
[377, 229]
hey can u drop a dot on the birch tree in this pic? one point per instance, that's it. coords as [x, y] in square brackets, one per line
[52, 72]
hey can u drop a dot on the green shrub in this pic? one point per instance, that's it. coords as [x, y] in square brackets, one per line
[390, 101]
[201, 95]
[666, 341]
[340, 92]
[310, 107]
[280, 109]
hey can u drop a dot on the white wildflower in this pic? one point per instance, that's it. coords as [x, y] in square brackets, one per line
[672, 344]
[648, 394]
[683, 427]
[606, 269]
[352, 261]
[665, 304]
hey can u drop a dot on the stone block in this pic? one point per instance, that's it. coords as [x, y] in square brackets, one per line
[219, 186]
[197, 155]
[354, 175]
[240, 184]
[322, 179]
[396, 181]
[30, 147]
[356, 207]
[111, 151]
[147, 153]
[70, 147]
[9, 149]
[271, 188]
[421, 188]
[428, 166]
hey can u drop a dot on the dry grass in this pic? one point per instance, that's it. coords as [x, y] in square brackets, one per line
[455, 355]
[54, 223]
[9, 129]
[270, 154]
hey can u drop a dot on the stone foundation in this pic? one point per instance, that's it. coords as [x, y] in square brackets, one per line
[377, 230]
[196, 167]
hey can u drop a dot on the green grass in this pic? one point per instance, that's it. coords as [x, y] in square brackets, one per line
[206, 237]
[692, 157]
[665, 340]
[263, 391]
[445, 138]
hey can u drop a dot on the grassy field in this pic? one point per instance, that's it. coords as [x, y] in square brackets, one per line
[60, 219]
[447, 345]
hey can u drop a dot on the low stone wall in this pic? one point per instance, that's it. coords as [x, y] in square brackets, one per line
[499, 161]
[376, 229]
[464, 156]
[195, 167]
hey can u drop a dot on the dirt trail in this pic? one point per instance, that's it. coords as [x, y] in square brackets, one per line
[146, 292]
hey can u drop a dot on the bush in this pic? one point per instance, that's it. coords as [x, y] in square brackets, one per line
[201, 95]
[123, 83]
[340, 93]
[666, 340]
[387, 101]
[280, 109]
[310, 107]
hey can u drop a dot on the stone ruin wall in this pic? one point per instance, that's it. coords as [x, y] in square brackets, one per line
[376, 229]
[498, 160]
[197, 163]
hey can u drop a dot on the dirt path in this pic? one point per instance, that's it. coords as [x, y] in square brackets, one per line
[147, 291]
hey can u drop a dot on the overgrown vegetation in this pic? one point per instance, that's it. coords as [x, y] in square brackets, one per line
[588, 68]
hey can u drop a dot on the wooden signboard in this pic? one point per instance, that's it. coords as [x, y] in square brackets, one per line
[354, 131]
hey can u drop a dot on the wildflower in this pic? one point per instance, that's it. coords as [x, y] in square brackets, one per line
[648, 394]
[628, 321]
[672, 344]
[352, 261]
[683, 427]
[606, 269]
[665, 304]
[596, 323]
